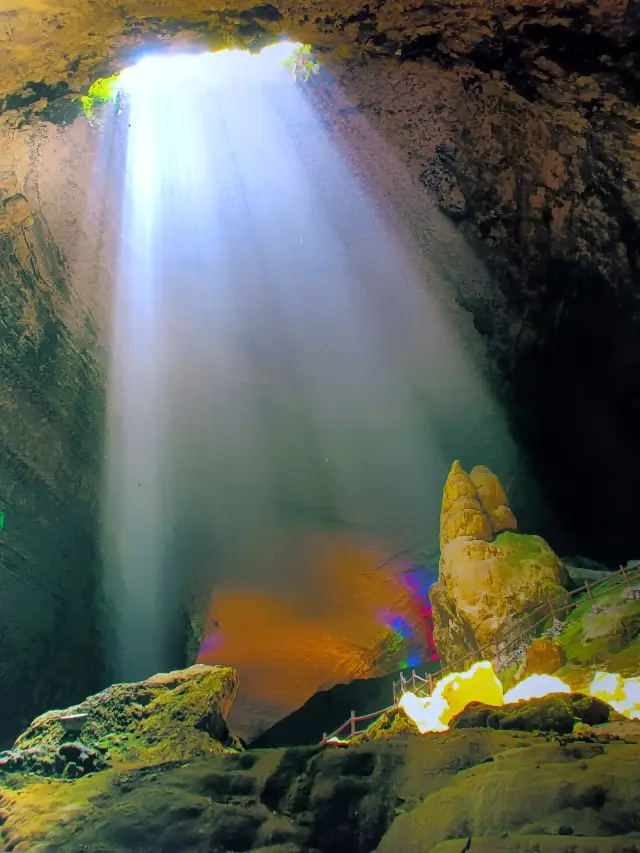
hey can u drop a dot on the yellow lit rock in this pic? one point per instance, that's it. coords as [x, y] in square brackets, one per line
[535, 687]
[478, 684]
[623, 694]
[452, 694]
[473, 505]
[461, 513]
[493, 499]
[488, 579]
[543, 657]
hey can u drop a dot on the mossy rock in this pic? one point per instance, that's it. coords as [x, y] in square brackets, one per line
[169, 717]
[393, 723]
[543, 796]
[558, 713]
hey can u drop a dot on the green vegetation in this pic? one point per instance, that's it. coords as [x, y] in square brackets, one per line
[302, 63]
[555, 713]
[101, 90]
[170, 717]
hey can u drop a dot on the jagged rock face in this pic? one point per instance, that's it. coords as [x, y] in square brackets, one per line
[490, 577]
[404, 792]
[519, 120]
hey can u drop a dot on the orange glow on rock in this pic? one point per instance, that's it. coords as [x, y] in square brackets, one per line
[325, 627]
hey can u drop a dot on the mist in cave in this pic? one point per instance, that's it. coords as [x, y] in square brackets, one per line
[284, 360]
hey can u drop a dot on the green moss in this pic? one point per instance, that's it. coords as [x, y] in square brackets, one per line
[100, 91]
[169, 718]
[302, 62]
[557, 713]
[523, 546]
[607, 639]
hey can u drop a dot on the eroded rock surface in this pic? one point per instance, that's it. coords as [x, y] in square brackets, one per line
[489, 577]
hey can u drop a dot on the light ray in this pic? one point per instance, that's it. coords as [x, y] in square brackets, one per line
[279, 367]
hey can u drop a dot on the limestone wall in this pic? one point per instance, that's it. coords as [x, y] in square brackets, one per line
[51, 411]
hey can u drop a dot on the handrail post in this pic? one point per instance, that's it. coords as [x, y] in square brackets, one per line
[626, 577]
[413, 679]
[594, 606]
[353, 723]
[395, 695]
[430, 688]
[324, 737]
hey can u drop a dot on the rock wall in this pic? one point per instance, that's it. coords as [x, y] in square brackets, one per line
[51, 410]
[529, 143]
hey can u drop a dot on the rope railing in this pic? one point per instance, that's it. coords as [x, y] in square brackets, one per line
[523, 629]
[352, 723]
[553, 608]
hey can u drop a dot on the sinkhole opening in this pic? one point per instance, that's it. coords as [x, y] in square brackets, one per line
[156, 74]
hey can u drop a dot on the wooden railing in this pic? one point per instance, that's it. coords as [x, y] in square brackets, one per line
[514, 639]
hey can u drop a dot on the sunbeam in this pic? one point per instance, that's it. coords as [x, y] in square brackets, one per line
[282, 363]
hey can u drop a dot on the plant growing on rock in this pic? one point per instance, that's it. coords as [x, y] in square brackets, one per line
[302, 63]
[101, 91]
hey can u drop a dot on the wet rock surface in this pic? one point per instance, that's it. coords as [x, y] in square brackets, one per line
[521, 121]
[532, 151]
[51, 409]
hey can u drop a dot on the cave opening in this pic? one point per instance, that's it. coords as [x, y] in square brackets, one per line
[318, 370]
[336, 467]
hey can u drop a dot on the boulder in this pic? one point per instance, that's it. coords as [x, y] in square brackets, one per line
[544, 657]
[169, 717]
[558, 712]
[490, 576]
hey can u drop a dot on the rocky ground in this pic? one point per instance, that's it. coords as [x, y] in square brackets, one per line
[557, 774]
[152, 766]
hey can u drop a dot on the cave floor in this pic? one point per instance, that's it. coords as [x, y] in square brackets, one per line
[504, 790]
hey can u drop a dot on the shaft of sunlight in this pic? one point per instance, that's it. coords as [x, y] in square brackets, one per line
[277, 361]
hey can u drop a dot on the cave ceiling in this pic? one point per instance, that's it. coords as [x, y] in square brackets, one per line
[51, 51]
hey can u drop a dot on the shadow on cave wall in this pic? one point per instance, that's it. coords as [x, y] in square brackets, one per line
[573, 400]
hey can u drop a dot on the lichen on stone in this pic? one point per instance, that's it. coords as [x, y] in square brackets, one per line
[169, 717]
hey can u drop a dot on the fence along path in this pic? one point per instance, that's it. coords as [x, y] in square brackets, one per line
[506, 647]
